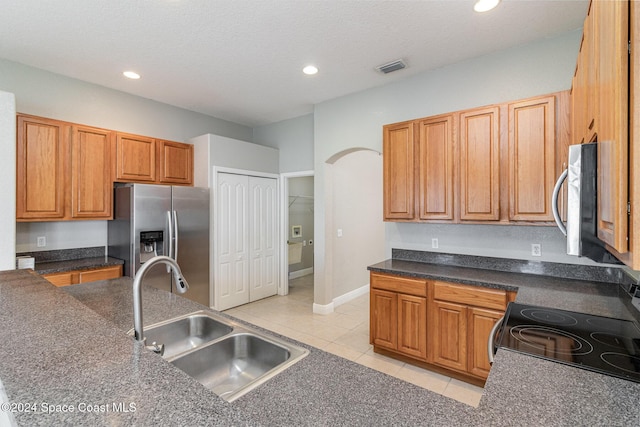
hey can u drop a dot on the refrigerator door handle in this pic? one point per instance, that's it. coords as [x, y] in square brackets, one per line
[175, 231]
[170, 251]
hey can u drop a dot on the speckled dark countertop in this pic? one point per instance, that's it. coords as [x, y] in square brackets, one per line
[61, 260]
[76, 264]
[60, 349]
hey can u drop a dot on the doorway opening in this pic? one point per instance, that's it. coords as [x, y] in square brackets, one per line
[298, 235]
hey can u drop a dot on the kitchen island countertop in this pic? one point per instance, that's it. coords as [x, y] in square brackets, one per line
[69, 347]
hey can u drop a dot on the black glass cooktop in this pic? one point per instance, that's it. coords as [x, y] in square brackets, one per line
[600, 344]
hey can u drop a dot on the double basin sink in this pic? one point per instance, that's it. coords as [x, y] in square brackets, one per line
[225, 357]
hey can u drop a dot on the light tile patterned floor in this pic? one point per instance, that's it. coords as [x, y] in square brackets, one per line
[345, 333]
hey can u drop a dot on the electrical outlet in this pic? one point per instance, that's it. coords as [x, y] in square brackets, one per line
[339, 232]
[434, 243]
[42, 241]
[536, 249]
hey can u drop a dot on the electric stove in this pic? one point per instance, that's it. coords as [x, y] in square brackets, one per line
[600, 344]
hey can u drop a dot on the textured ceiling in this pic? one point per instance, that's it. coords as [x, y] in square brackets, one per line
[241, 60]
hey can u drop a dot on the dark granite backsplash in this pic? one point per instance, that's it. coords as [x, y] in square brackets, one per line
[65, 254]
[606, 274]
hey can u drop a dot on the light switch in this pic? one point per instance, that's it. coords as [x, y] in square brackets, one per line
[339, 232]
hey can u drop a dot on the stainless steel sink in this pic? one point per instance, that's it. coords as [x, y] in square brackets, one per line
[236, 364]
[227, 358]
[186, 333]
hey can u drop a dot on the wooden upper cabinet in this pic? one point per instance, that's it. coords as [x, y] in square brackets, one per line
[435, 176]
[135, 158]
[613, 122]
[42, 162]
[91, 183]
[532, 137]
[584, 84]
[480, 164]
[399, 171]
[175, 162]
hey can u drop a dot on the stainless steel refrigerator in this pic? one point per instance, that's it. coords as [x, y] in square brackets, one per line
[166, 220]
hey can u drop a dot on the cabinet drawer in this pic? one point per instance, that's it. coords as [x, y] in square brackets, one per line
[101, 274]
[62, 279]
[399, 284]
[470, 295]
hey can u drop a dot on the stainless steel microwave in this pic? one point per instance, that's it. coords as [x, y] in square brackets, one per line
[582, 204]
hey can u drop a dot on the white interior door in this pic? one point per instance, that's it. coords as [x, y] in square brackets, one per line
[263, 227]
[232, 270]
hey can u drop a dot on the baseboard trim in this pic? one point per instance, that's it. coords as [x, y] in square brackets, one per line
[323, 309]
[338, 301]
[300, 273]
[342, 299]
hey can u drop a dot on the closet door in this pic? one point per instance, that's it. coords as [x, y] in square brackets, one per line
[232, 269]
[263, 226]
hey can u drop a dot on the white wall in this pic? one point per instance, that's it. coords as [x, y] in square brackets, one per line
[8, 180]
[46, 94]
[230, 153]
[293, 138]
[61, 235]
[356, 121]
[356, 207]
[54, 96]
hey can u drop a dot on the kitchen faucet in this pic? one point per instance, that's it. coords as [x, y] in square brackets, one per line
[181, 287]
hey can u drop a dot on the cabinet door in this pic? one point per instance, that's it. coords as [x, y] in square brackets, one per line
[480, 323]
[435, 182]
[479, 165]
[91, 184]
[613, 125]
[532, 134]
[399, 171]
[449, 335]
[384, 319]
[42, 162]
[176, 162]
[412, 326]
[135, 158]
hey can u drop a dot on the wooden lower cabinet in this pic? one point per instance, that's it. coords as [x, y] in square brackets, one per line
[480, 321]
[412, 326]
[437, 325]
[75, 277]
[384, 319]
[399, 315]
[449, 335]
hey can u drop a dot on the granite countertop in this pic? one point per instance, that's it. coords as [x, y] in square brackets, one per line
[61, 260]
[583, 296]
[69, 346]
[47, 267]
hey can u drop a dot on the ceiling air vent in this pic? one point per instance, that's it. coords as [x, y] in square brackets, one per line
[392, 66]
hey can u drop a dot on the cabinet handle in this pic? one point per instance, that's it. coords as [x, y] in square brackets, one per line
[593, 122]
[492, 337]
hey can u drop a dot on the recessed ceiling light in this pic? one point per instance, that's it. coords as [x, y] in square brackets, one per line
[485, 5]
[310, 70]
[131, 75]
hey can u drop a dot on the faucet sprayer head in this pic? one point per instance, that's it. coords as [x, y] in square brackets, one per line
[180, 281]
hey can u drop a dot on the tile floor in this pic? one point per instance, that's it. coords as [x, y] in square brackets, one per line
[345, 333]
